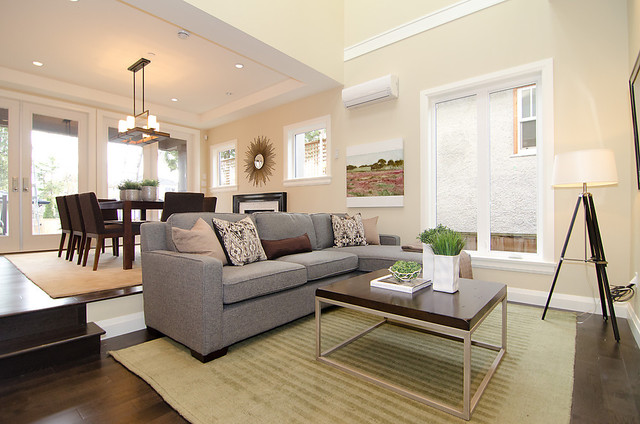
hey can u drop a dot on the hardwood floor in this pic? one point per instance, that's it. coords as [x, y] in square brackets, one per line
[99, 390]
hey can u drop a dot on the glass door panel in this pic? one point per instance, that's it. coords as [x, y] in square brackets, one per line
[54, 169]
[9, 176]
[54, 163]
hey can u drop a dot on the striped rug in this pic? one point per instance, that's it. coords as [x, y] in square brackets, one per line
[274, 378]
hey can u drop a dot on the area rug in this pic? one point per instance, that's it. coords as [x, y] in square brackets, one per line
[274, 378]
[61, 278]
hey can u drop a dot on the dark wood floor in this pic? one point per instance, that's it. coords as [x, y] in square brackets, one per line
[99, 390]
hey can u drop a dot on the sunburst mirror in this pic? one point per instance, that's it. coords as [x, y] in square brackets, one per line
[259, 161]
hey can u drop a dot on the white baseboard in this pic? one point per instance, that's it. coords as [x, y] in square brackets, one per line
[122, 325]
[634, 323]
[563, 301]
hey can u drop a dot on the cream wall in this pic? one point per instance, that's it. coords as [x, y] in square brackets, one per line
[634, 48]
[588, 42]
[386, 15]
[309, 31]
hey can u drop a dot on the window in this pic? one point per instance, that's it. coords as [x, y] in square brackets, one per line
[500, 201]
[224, 165]
[525, 120]
[172, 166]
[307, 146]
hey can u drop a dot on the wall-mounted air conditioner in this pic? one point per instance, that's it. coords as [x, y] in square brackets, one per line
[374, 91]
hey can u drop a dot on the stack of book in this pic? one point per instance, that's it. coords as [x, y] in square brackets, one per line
[391, 283]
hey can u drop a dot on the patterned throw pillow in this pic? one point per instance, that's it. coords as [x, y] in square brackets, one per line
[240, 240]
[348, 231]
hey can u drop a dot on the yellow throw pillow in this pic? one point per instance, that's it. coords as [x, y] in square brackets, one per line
[200, 239]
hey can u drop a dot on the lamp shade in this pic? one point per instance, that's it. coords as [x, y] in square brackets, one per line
[595, 167]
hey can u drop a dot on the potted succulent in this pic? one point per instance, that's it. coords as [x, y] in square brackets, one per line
[426, 237]
[129, 190]
[149, 189]
[447, 245]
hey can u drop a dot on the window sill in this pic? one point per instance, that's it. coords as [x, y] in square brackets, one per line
[534, 266]
[524, 153]
[223, 188]
[307, 181]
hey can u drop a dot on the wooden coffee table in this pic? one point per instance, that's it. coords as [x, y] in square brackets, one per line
[455, 316]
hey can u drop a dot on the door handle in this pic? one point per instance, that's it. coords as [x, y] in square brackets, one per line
[25, 184]
[14, 184]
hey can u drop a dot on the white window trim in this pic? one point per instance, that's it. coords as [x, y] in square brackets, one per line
[525, 151]
[542, 72]
[289, 132]
[214, 150]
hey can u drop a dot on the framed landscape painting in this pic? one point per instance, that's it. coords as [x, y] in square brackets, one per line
[375, 174]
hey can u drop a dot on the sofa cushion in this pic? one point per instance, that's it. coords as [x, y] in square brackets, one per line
[260, 278]
[276, 248]
[348, 230]
[240, 240]
[187, 220]
[282, 225]
[372, 258]
[323, 263]
[323, 230]
[199, 239]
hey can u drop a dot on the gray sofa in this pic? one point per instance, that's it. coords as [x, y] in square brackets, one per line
[206, 306]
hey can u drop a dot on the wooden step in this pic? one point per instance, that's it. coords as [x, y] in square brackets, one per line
[42, 350]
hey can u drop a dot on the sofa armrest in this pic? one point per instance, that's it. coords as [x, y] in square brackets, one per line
[153, 236]
[390, 239]
[183, 298]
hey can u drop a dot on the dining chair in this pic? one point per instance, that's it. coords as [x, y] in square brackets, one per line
[209, 204]
[181, 201]
[78, 233]
[65, 225]
[110, 216]
[96, 227]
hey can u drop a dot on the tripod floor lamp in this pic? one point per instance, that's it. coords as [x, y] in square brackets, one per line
[582, 168]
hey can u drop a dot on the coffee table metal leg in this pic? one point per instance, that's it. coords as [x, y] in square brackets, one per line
[318, 335]
[466, 391]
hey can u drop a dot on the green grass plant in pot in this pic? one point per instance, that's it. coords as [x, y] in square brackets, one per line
[447, 245]
[149, 189]
[426, 237]
[129, 190]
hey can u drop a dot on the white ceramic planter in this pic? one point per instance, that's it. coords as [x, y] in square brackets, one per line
[446, 273]
[129, 194]
[149, 193]
[427, 262]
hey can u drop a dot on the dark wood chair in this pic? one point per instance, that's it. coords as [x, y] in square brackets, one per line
[209, 204]
[78, 234]
[96, 228]
[110, 216]
[65, 225]
[181, 201]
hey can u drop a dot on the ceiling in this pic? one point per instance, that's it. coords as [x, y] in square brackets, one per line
[86, 47]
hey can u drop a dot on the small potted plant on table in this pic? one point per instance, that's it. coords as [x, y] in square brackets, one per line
[447, 245]
[149, 189]
[129, 190]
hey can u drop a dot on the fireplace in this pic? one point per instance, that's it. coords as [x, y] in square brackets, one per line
[260, 202]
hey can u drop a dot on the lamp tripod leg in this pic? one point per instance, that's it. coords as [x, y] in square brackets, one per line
[564, 250]
[597, 256]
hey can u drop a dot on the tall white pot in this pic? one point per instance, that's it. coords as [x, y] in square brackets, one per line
[427, 262]
[446, 273]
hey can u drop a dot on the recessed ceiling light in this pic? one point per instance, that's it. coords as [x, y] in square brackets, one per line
[229, 93]
[35, 62]
[174, 100]
[183, 34]
[239, 65]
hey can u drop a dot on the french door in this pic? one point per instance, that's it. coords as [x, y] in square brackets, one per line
[43, 155]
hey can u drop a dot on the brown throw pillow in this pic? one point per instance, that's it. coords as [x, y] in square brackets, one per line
[276, 248]
[199, 239]
[371, 230]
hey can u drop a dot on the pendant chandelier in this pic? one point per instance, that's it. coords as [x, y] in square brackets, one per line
[141, 128]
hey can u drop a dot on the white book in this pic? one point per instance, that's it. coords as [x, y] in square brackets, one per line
[390, 283]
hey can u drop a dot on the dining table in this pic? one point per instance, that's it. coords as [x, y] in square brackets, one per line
[127, 206]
